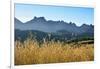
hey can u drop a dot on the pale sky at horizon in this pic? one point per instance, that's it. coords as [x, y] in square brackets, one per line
[78, 15]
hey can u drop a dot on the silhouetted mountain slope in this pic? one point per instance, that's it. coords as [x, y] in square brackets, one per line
[60, 35]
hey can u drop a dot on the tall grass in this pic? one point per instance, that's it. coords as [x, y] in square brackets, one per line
[31, 52]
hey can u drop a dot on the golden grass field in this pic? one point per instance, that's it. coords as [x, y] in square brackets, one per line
[31, 52]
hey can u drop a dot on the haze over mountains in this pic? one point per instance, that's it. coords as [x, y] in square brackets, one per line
[41, 24]
[58, 30]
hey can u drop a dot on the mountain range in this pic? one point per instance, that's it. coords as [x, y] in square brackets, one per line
[57, 28]
[41, 24]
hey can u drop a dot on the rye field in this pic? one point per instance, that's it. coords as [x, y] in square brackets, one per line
[31, 52]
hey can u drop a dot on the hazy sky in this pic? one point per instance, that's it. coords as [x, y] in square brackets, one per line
[78, 15]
